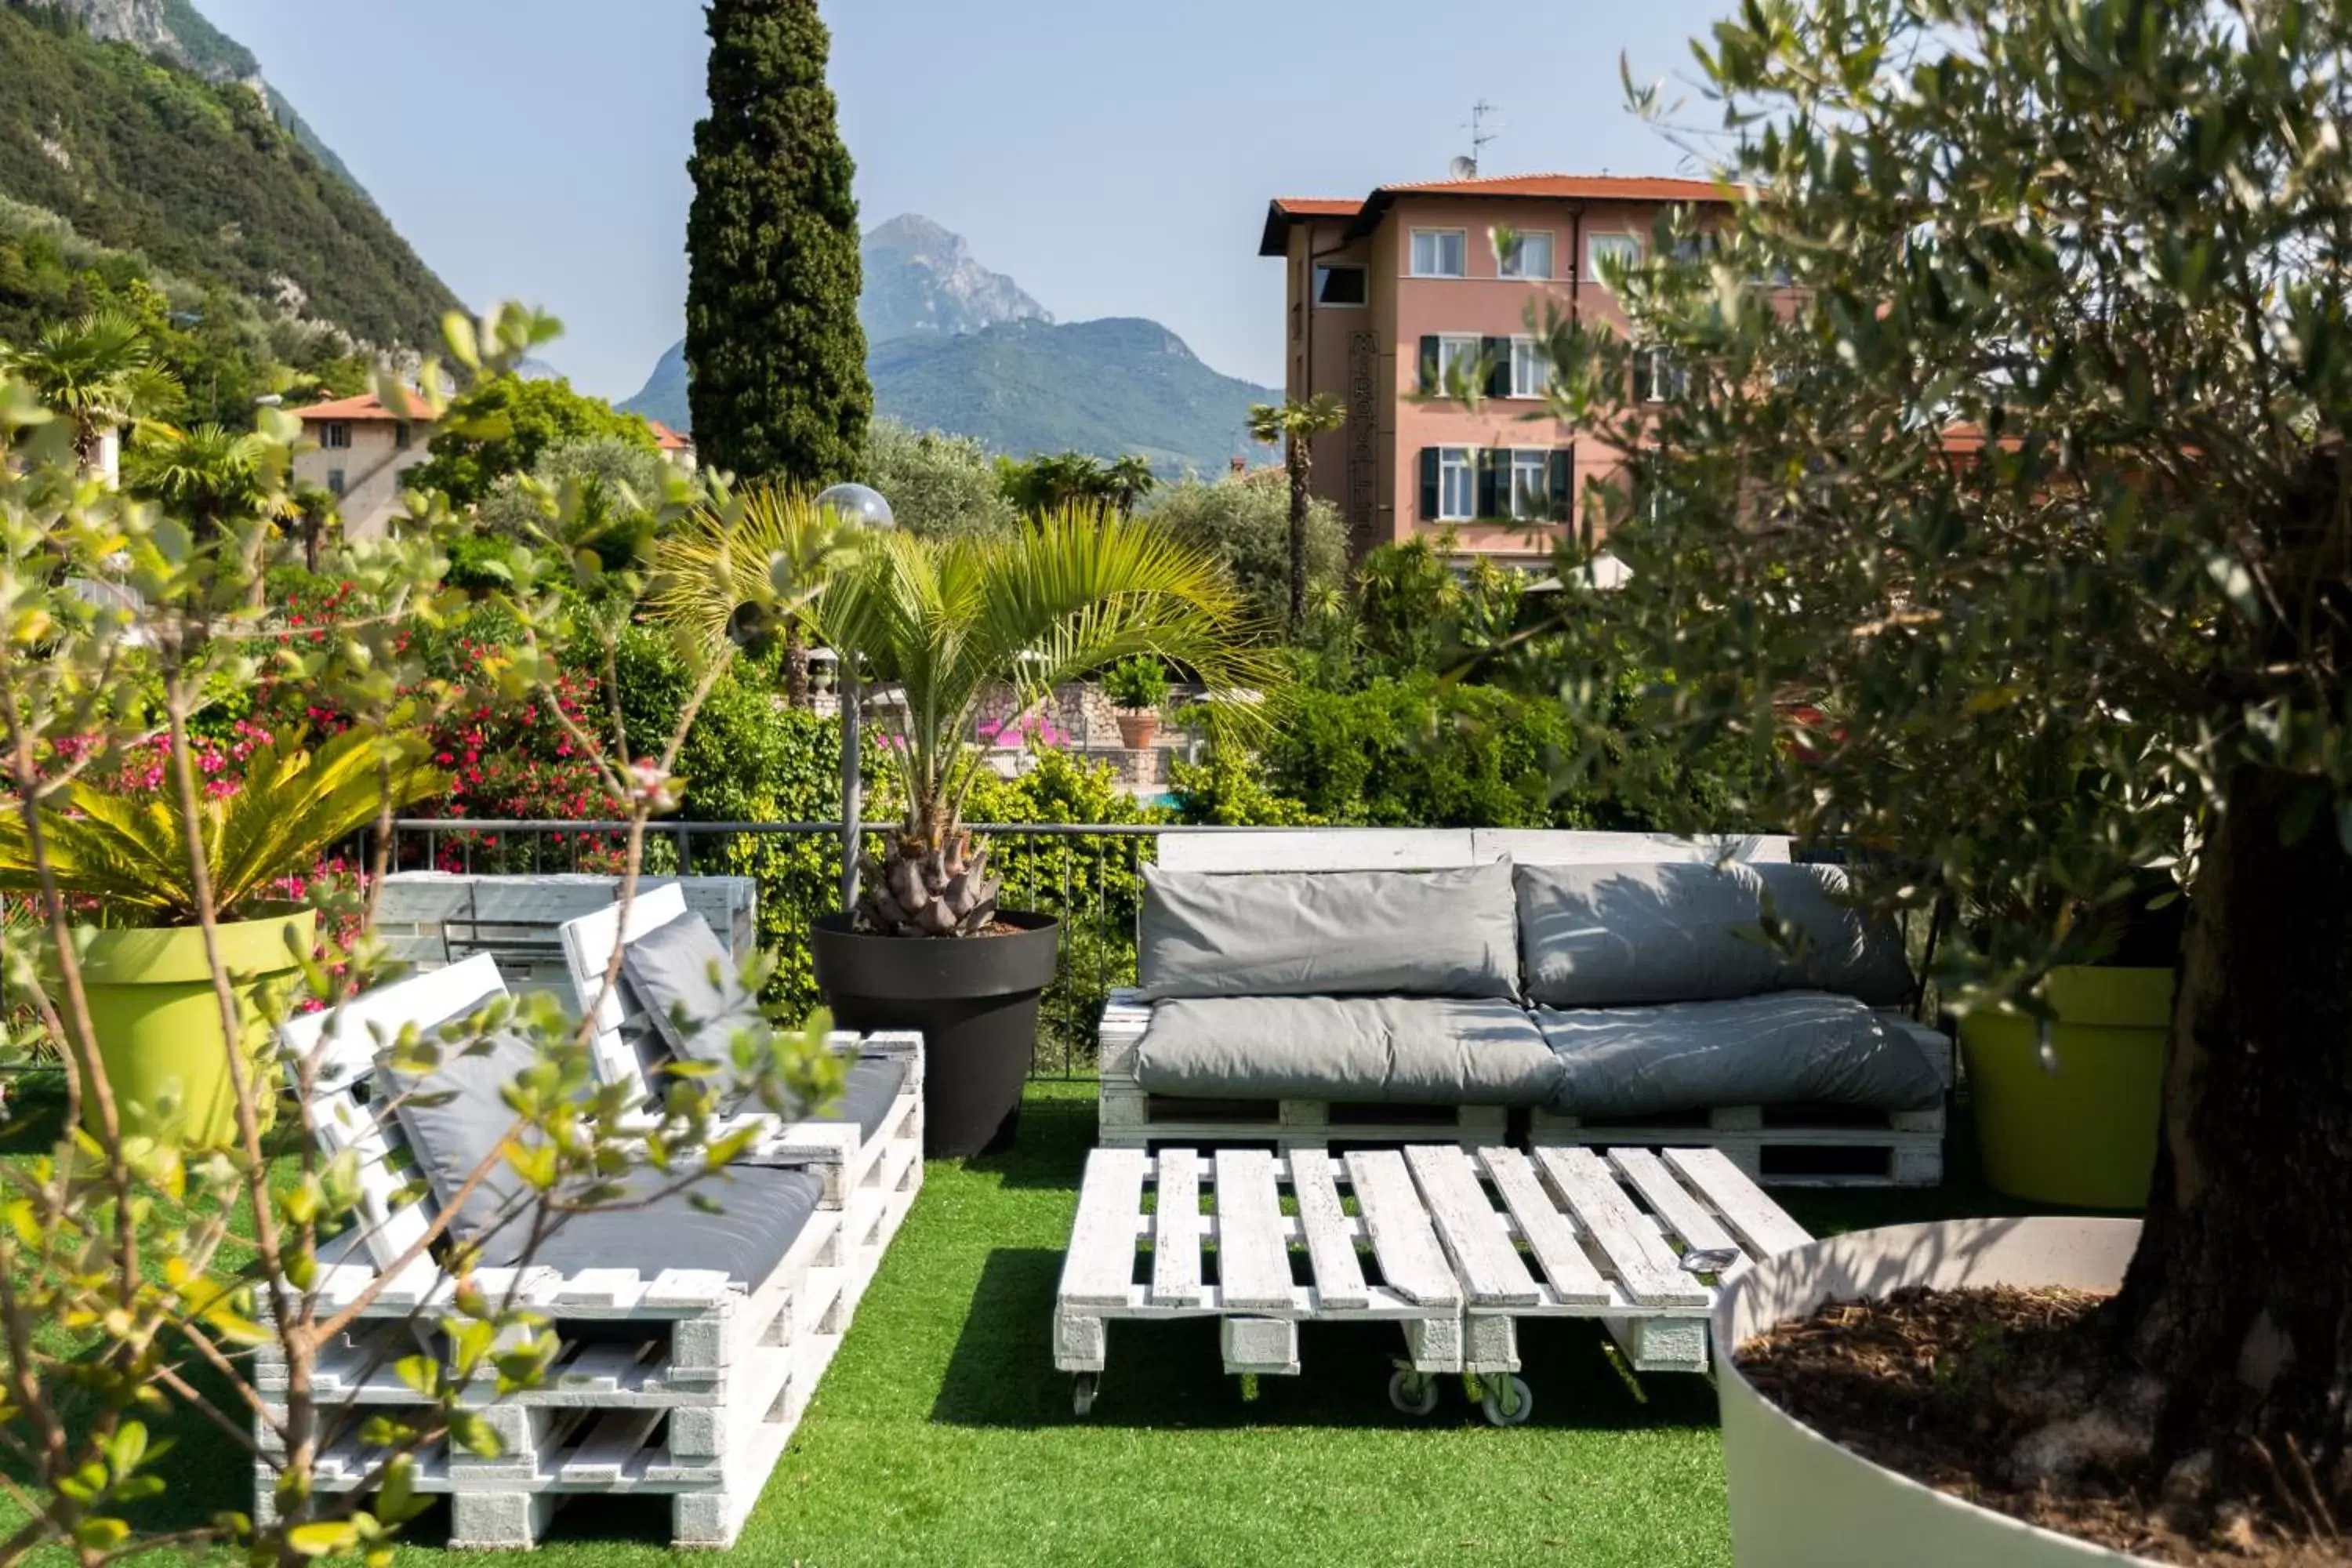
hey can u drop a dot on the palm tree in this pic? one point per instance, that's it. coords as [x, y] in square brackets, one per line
[1128, 480]
[742, 571]
[209, 475]
[1295, 424]
[949, 620]
[101, 371]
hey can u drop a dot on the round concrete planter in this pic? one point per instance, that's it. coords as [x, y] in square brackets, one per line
[1798, 1500]
[974, 1001]
[158, 1023]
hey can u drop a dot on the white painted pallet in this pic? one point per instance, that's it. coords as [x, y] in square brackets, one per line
[1465, 1243]
[683, 1385]
[435, 918]
[1128, 1116]
[1187, 1235]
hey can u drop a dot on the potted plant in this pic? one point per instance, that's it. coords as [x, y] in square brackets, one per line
[124, 857]
[2068, 1087]
[1137, 687]
[947, 621]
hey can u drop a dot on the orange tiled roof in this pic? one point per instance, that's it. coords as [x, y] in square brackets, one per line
[364, 407]
[667, 439]
[1319, 206]
[1283, 211]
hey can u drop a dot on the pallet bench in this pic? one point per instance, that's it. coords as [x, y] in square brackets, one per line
[1455, 1245]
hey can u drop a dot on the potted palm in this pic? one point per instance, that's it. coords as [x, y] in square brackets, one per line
[149, 983]
[1137, 687]
[947, 621]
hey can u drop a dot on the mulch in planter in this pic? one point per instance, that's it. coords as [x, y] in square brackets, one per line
[2008, 1398]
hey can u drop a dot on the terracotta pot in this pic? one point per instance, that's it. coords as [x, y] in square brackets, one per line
[1137, 727]
[1798, 1500]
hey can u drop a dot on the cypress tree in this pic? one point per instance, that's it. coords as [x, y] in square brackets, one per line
[773, 342]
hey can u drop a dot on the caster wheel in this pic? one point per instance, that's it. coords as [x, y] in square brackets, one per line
[1412, 1393]
[1081, 1394]
[1508, 1400]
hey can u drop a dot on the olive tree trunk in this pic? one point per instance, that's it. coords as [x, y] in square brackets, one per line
[2241, 1297]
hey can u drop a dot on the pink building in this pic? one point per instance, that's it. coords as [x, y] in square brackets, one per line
[1395, 300]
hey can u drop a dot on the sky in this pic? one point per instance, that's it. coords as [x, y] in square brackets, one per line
[1114, 157]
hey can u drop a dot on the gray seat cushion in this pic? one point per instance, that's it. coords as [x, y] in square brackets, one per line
[455, 1116]
[686, 983]
[1790, 1048]
[1329, 933]
[1364, 1050]
[1615, 935]
[871, 1089]
[762, 1212]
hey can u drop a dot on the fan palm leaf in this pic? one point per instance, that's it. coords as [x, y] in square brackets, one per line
[736, 572]
[129, 855]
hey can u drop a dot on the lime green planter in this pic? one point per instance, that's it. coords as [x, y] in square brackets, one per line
[2084, 1134]
[159, 1024]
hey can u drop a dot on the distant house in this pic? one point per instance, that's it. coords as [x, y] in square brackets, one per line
[677, 449]
[360, 451]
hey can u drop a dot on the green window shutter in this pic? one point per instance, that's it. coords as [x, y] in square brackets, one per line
[1498, 353]
[1428, 484]
[1560, 476]
[1490, 460]
[1429, 381]
[1642, 376]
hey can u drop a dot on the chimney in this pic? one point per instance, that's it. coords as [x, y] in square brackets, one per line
[1241, 465]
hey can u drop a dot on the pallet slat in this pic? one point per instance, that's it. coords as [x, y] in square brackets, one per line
[1412, 1261]
[1757, 1219]
[1101, 1262]
[1547, 1231]
[1331, 1243]
[1253, 1256]
[1177, 1230]
[1641, 1260]
[1670, 1201]
[1471, 1231]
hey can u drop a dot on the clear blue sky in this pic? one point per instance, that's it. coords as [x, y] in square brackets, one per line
[1113, 156]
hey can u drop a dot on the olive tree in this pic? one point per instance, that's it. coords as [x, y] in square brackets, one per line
[2012, 442]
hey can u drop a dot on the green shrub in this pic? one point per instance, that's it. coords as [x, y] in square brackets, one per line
[1419, 752]
[1135, 683]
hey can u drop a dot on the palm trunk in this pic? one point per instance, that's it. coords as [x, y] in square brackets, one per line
[2241, 1297]
[796, 666]
[1301, 460]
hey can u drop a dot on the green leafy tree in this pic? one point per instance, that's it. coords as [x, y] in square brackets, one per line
[507, 424]
[1244, 521]
[2038, 479]
[779, 391]
[938, 484]
[1293, 426]
[100, 372]
[210, 475]
[1128, 481]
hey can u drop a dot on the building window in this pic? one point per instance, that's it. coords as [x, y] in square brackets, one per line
[1441, 252]
[402, 434]
[334, 481]
[1657, 376]
[1449, 484]
[1531, 486]
[1457, 362]
[1620, 249]
[1343, 285]
[1530, 368]
[336, 437]
[1524, 256]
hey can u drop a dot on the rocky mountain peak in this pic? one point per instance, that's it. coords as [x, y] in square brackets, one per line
[922, 278]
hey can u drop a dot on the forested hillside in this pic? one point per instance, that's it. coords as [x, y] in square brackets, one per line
[198, 179]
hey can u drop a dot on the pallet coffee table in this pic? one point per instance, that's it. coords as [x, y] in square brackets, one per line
[1454, 1245]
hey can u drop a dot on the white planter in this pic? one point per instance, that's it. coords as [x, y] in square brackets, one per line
[1798, 1500]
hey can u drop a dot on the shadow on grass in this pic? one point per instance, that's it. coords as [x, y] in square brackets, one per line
[1057, 1128]
[1171, 1374]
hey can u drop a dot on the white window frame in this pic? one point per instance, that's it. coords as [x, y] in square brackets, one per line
[1458, 347]
[1461, 238]
[1667, 380]
[1504, 267]
[1609, 239]
[1528, 352]
[1531, 505]
[1452, 460]
[335, 435]
[1358, 268]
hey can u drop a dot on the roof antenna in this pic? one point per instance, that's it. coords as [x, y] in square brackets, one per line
[1468, 168]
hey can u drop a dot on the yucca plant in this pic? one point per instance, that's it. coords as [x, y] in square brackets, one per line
[128, 855]
[950, 621]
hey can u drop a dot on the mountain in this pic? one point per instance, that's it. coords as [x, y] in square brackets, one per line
[919, 278]
[954, 346]
[148, 154]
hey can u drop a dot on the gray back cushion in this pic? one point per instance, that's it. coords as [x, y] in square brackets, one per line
[454, 1117]
[1608, 936]
[1329, 933]
[685, 981]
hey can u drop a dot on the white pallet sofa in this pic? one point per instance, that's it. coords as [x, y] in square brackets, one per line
[1810, 1145]
[431, 918]
[880, 1173]
[682, 1383]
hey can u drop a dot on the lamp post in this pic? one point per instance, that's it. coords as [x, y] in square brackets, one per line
[858, 505]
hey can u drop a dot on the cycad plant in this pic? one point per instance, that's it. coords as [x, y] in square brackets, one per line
[950, 621]
[739, 574]
[128, 855]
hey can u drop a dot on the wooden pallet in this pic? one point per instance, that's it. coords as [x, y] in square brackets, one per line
[1563, 1234]
[1232, 1260]
[431, 918]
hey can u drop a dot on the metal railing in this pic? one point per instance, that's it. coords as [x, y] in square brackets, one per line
[1087, 875]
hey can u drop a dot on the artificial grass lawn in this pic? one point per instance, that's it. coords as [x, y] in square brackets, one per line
[942, 1435]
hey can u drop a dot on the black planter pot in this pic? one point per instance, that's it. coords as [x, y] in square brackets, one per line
[974, 1000]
